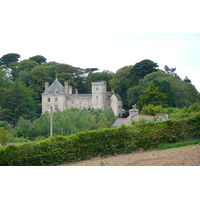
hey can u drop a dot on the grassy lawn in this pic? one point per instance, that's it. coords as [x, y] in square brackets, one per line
[188, 142]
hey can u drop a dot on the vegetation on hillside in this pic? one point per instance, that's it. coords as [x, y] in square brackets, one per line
[22, 82]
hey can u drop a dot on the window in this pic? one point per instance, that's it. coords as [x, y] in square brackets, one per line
[56, 107]
[49, 99]
[96, 98]
[80, 102]
[72, 101]
[97, 88]
[56, 99]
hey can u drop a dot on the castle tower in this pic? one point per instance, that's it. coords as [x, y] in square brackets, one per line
[99, 95]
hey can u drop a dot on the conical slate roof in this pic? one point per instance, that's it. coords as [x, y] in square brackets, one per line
[55, 88]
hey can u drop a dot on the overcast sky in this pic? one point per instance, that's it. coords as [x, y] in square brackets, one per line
[106, 34]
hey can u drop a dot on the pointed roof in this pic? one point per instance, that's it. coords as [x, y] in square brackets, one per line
[55, 88]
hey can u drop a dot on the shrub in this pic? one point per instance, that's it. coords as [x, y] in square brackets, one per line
[88, 144]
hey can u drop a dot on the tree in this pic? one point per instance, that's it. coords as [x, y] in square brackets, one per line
[24, 76]
[120, 83]
[5, 136]
[152, 96]
[151, 109]
[23, 128]
[62, 77]
[1, 113]
[165, 87]
[179, 93]
[4, 79]
[171, 71]
[110, 116]
[19, 103]
[39, 59]
[27, 65]
[39, 75]
[8, 58]
[187, 80]
[141, 69]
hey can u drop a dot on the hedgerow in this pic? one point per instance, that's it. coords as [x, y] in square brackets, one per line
[88, 144]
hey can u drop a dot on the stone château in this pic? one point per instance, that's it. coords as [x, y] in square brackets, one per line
[56, 96]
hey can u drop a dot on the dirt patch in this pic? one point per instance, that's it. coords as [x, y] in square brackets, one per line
[182, 156]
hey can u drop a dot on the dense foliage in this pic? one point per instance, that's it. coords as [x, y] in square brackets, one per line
[65, 122]
[84, 145]
[22, 82]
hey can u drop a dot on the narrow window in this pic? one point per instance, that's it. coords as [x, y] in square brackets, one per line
[56, 99]
[56, 107]
[96, 98]
[49, 99]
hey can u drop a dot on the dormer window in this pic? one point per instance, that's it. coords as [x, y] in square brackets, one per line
[56, 91]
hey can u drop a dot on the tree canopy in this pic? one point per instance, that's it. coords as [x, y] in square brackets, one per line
[141, 69]
[22, 82]
[152, 96]
[39, 59]
[9, 58]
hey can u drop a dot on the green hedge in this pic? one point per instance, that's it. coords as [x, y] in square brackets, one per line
[85, 145]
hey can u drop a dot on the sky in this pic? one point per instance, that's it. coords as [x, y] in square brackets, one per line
[105, 34]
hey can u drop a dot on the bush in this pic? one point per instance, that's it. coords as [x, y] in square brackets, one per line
[88, 144]
[5, 136]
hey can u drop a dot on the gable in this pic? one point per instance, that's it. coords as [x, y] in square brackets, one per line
[55, 88]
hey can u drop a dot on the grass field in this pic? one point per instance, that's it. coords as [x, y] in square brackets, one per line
[188, 142]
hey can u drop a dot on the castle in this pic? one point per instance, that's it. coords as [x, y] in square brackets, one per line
[56, 96]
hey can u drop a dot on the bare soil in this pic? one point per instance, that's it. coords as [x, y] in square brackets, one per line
[182, 156]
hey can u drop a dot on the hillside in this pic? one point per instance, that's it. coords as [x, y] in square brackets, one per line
[182, 156]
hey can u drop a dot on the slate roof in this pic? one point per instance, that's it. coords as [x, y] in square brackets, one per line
[55, 86]
[119, 121]
[109, 95]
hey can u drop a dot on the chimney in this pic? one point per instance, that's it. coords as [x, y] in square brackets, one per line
[66, 88]
[76, 91]
[70, 89]
[46, 85]
[133, 114]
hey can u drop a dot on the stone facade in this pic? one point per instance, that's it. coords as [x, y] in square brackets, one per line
[61, 97]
